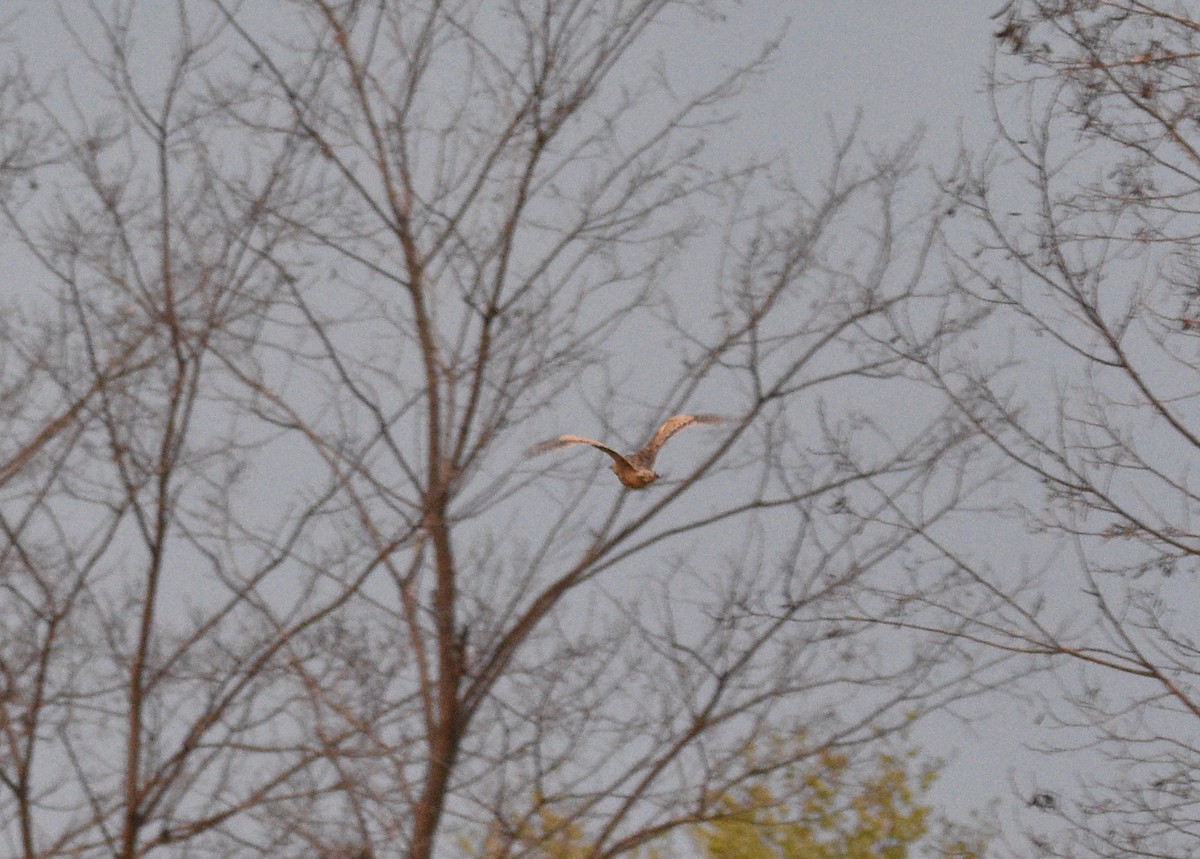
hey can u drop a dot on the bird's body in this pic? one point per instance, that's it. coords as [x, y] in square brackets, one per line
[637, 469]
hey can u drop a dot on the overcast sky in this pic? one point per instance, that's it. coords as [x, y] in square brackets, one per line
[919, 63]
[904, 65]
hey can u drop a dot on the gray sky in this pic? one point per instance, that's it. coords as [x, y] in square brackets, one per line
[904, 64]
[908, 63]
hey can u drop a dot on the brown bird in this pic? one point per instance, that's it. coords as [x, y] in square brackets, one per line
[636, 470]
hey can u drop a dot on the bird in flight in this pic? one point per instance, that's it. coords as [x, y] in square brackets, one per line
[637, 469]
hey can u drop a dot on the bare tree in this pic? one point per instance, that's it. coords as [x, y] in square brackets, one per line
[1081, 246]
[312, 281]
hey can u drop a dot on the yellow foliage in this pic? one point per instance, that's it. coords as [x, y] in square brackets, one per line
[545, 833]
[823, 807]
[828, 811]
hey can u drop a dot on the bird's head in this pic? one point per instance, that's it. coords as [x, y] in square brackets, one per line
[634, 478]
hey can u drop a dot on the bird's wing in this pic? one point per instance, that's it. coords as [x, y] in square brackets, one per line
[567, 440]
[670, 427]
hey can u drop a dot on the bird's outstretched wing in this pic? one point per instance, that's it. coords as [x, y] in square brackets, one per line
[669, 428]
[567, 440]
